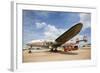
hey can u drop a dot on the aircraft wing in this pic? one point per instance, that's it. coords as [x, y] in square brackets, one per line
[66, 36]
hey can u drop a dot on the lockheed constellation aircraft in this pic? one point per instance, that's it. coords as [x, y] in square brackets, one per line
[62, 39]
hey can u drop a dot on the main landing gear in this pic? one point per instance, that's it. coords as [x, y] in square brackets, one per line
[54, 50]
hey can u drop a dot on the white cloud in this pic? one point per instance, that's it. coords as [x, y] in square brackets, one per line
[85, 18]
[50, 31]
[40, 25]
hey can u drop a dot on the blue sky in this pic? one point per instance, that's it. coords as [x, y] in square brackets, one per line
[50, 24]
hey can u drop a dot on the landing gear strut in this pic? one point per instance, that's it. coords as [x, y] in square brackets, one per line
[30, 49]
[56, 50]
[52, 50]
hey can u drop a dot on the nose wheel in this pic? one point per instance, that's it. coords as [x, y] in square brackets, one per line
[30, 51]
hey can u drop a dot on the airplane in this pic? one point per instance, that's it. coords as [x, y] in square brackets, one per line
[54, 44]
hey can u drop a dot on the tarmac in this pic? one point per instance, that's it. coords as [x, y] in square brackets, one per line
[45, 55]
